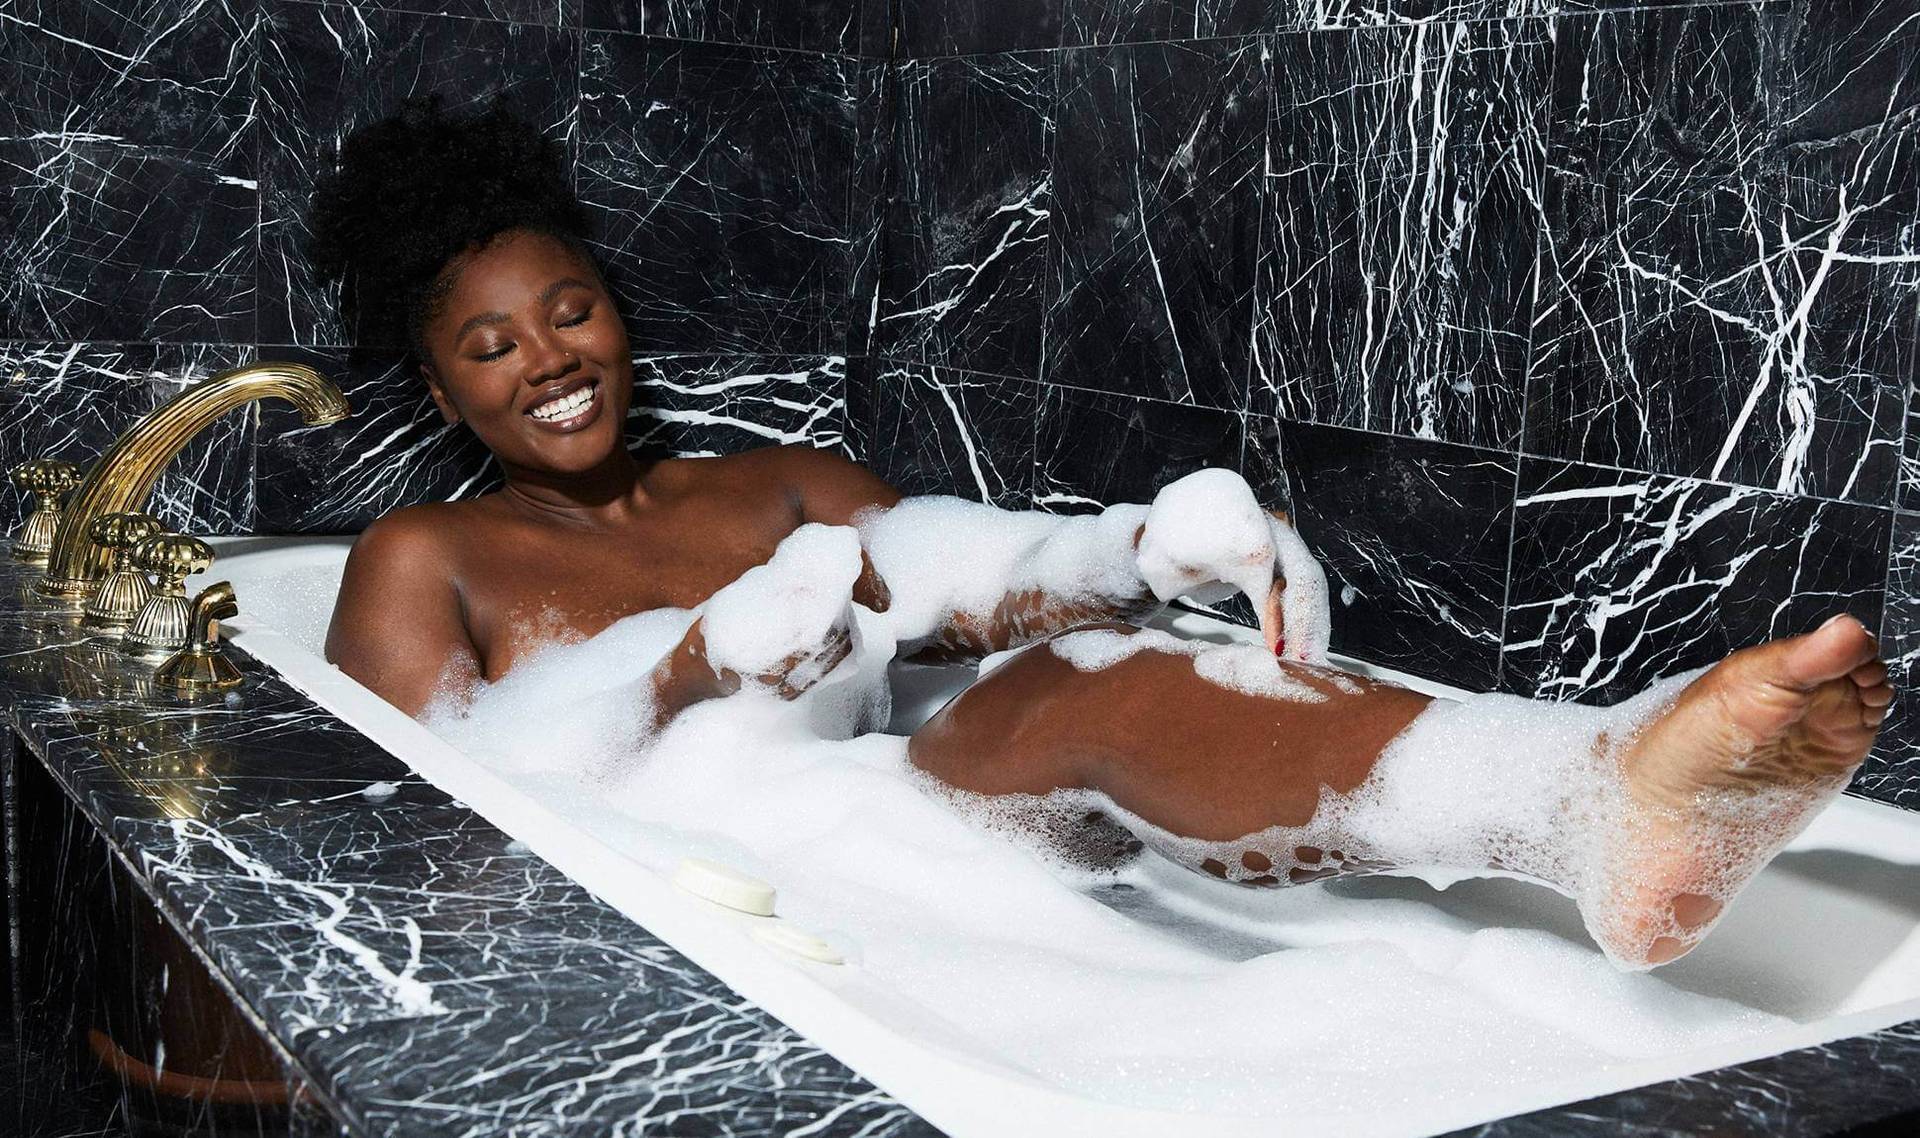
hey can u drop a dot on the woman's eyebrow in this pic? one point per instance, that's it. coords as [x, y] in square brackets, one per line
[546, 294]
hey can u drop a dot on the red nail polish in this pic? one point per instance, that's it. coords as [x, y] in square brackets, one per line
[1280, 647]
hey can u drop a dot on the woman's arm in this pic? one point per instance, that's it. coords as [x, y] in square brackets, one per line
[1027, 601]
[397, 626]
[830, 489]
[685, 676]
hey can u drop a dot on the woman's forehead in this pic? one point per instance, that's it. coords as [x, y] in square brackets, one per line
[512, 267]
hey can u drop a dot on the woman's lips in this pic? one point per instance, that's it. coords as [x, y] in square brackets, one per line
[576, 420]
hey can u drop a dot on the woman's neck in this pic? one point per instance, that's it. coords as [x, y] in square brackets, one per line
[600, 498]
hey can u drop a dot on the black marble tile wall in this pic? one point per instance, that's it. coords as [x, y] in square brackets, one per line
[1093, 448]
[1156, 161]
[1413, 535]
[1620, 577]
[833, 26]
[1892, 772]
[72, 400]
[130, 152]
[1399, 222]
[1580, 335]
[720, 176]
[327, 69]
[704, 405]
[930, 429]
[1732, 207]
[968, 216]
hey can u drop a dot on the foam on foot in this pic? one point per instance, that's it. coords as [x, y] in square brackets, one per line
[1651, 814]
[1738, 765]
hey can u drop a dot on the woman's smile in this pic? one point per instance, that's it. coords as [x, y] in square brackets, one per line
[569, 407]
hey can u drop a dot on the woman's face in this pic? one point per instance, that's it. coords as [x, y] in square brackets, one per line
[528, 350]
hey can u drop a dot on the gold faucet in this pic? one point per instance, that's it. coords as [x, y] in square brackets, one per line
[199, 667]
[123, 478]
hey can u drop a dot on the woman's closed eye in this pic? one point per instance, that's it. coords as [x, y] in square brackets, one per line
[568, 323]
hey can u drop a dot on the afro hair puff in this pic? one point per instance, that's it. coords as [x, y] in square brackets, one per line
[417, 188]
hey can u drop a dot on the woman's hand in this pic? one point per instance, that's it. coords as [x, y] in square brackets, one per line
[1295, 617]
[1207, 537]
[784, 625]
[800, 670]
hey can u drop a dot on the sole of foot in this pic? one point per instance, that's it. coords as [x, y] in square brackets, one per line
[1739, 764]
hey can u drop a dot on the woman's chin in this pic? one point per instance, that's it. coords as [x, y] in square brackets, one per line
[579, 452]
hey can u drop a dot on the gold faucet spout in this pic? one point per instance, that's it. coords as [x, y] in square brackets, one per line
[123, 479]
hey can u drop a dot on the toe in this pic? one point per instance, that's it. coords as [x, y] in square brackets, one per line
[1693, 910]
[1667, 949]
[1869, 675]
[1833, 650]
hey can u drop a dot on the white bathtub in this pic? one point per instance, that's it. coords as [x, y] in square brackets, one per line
[1834, 923]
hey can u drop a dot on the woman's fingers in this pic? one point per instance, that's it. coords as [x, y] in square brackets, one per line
[1272, 622]
[803, 669]
[870, 588]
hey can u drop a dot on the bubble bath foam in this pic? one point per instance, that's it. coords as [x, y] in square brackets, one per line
[997, 992]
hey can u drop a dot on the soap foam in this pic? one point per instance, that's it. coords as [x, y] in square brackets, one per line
[1527, 788]
[1244, 668]
[982, 912]
[940, 556]
[977, 909]
[1207, 527]
[1204, 536]
[585, 708]
[786, 608]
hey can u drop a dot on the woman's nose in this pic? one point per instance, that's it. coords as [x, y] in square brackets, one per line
[548, 360]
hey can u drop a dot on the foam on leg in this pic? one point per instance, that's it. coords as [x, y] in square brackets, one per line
[1240, 667]
[1501, 784]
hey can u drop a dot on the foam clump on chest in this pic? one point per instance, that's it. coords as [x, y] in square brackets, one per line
[575, 705]
[787, 606]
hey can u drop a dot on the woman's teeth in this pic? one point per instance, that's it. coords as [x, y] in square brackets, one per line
[564, 407]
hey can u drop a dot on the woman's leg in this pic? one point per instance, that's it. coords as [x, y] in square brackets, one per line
[1650, 814]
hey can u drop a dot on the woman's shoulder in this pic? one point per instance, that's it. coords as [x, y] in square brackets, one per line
[414, 537]
[805, 470]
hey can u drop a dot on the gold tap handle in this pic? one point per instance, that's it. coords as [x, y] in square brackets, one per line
[48, 479]
[173, 557]
[121, 532]
[200, 666]
[212, 605]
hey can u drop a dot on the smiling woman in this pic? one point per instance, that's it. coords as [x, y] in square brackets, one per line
[465, 237]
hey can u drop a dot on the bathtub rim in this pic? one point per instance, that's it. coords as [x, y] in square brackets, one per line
[950, 1090]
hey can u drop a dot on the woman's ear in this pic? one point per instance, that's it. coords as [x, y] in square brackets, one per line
[448, 411]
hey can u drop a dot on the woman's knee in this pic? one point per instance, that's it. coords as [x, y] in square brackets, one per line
[1005, 734]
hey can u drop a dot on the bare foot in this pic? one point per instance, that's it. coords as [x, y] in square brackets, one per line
[1736, 767]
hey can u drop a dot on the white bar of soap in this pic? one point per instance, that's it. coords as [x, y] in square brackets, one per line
[788, 938]
[724, 885]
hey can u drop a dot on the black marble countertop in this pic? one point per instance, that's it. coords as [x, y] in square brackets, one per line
[426, 976]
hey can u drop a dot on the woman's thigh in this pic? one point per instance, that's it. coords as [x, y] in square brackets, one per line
[1190, 754]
